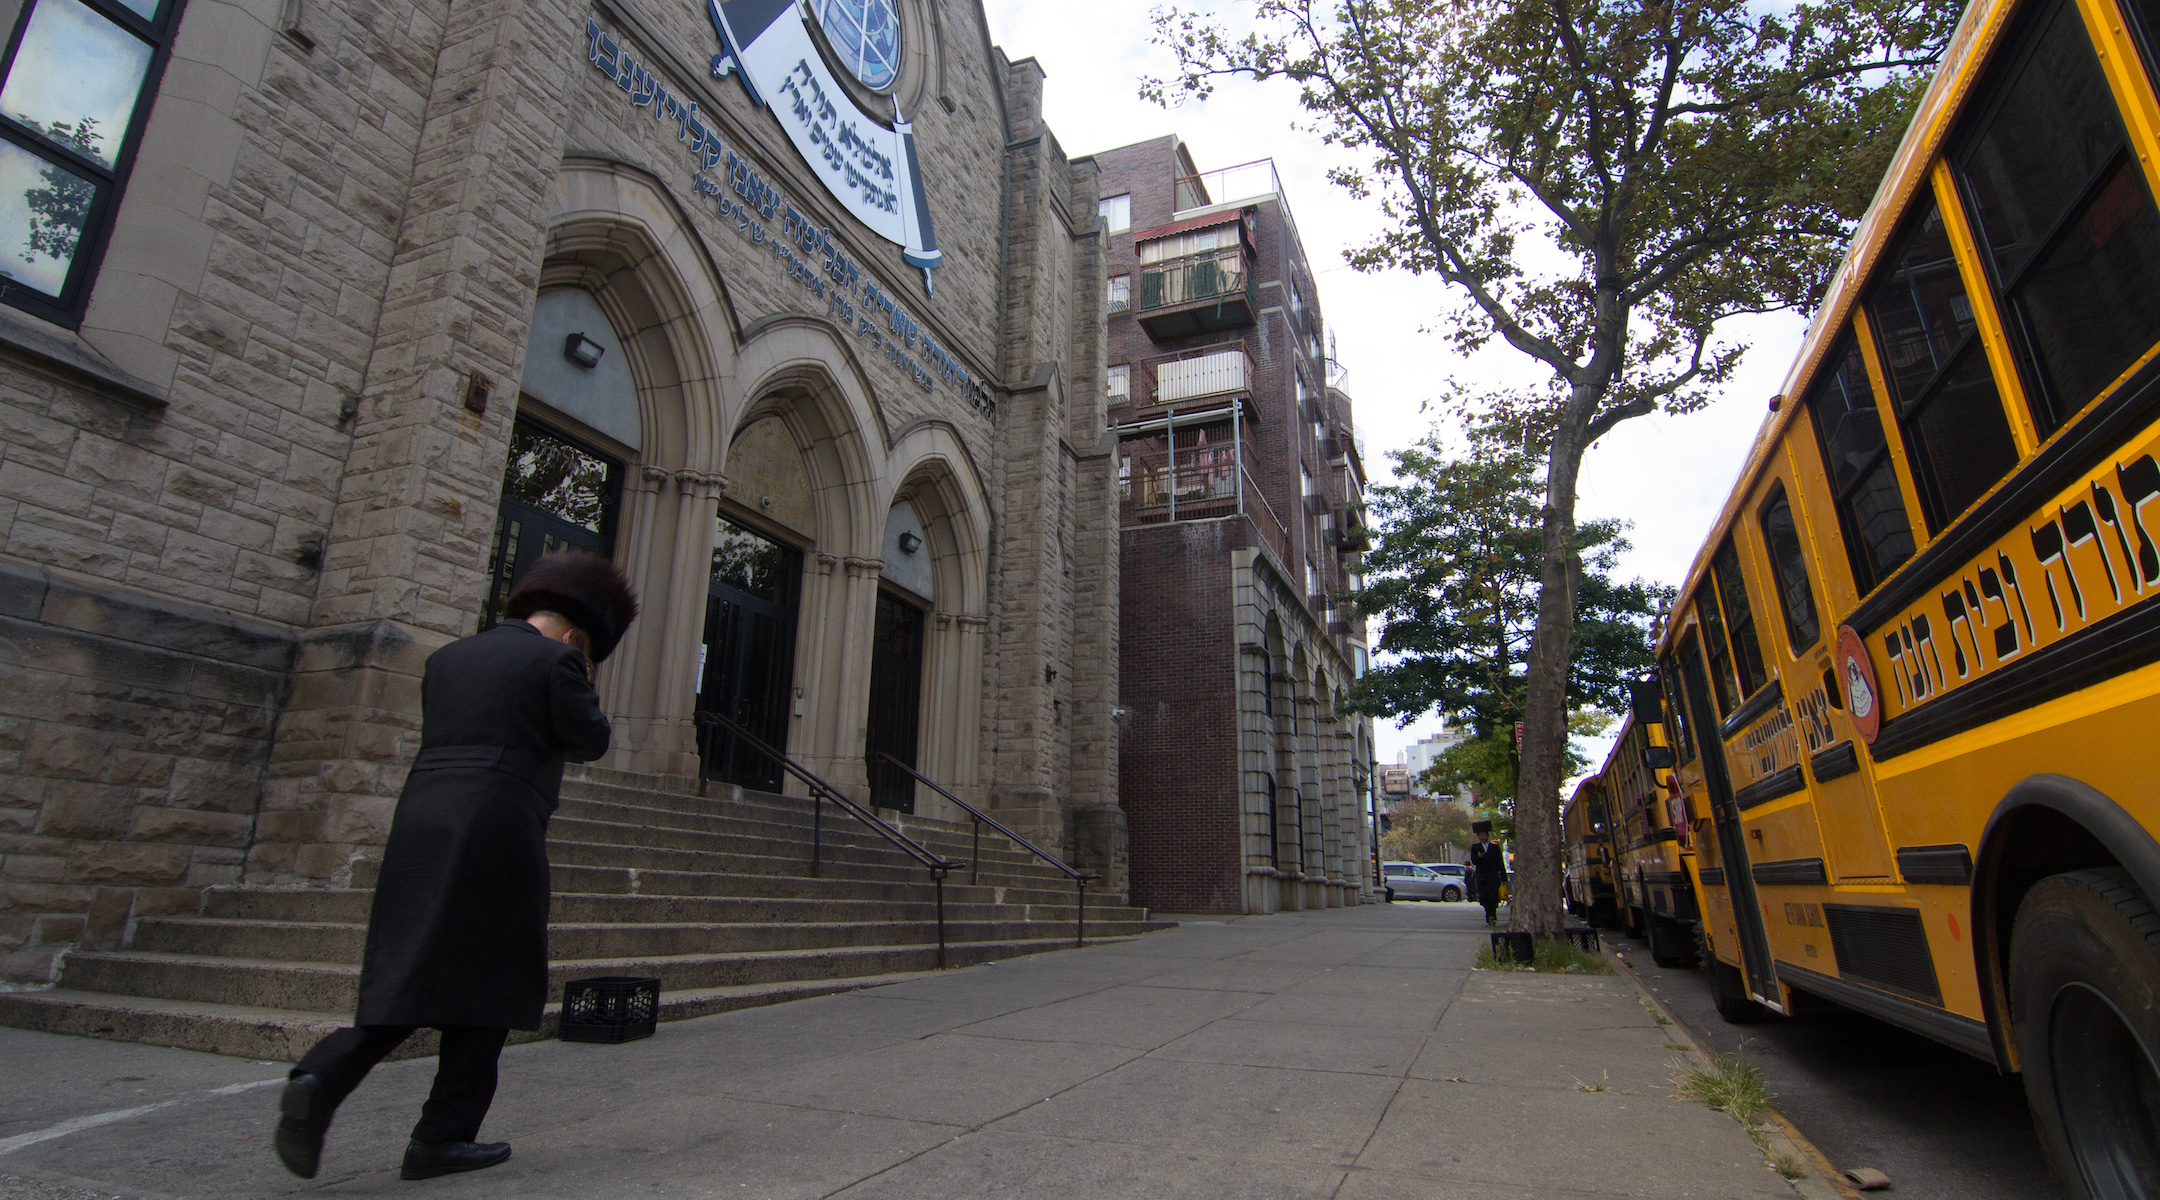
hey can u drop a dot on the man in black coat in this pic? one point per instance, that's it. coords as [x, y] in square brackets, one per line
[1490, 863]
[457, 938]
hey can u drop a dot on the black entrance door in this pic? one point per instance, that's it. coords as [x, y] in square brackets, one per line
[748, 656]
[1732, 843]
[896, 654]
[556, 493]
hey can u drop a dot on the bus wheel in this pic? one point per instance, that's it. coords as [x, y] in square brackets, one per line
[2084, 968]
[1728, 990]
[1670, 945]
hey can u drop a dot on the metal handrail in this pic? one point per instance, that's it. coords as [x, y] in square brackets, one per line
[1080, 878]
[820, 792]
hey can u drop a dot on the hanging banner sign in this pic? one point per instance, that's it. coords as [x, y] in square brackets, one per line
[869, 168]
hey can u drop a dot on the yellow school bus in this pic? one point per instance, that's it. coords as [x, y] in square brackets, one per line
[1919, 654]
[1652, 871]
[1587, 846]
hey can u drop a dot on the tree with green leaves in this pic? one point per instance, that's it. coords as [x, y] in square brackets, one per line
[1420, 829]
[1598, 183]
[1456, 575]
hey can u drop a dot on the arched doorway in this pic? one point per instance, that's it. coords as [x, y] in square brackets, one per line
[753, 605]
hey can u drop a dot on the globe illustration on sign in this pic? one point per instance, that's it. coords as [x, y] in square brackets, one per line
[865, 36]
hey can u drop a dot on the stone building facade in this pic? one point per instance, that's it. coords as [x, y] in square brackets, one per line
[348, 308]
[1246, 787]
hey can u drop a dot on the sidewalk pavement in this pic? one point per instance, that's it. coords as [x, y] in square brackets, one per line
[1349, 1054]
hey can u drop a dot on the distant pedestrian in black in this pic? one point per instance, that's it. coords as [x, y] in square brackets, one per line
[458, 935]
[1490, 863]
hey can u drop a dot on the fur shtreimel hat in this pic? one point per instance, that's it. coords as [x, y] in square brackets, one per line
[1475, 826]
[588, 590]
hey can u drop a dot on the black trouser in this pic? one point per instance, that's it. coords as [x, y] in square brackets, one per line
[464, 1074]
[1488, 894]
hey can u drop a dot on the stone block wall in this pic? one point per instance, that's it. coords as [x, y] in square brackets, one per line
[134, 731]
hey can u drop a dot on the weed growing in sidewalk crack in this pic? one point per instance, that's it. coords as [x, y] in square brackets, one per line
[1787, 1163]
[1604, 1083]
[1729, 1084]
[1735, 1086]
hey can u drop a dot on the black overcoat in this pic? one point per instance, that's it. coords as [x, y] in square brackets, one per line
[458, 933]
[1489, 861]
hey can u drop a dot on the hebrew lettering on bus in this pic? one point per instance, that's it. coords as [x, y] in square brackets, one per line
[2085, 556]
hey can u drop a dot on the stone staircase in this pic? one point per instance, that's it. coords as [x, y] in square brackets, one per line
[711, 894]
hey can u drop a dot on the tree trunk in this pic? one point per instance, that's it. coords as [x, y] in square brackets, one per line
[1534, 904]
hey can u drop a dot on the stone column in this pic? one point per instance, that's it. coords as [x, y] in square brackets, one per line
[624, 680]
[406, 552]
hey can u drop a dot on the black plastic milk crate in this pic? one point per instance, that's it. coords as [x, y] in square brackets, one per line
[1519, 946]
[1585, 937]
[610, 1008]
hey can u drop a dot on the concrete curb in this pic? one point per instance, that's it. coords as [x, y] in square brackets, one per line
[1825, 1183]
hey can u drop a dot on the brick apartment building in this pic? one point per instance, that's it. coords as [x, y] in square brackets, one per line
[319, 320]
[1240, 490]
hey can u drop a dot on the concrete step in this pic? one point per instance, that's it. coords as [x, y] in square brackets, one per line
[786, 812]
[646, 880]
[755, 831]
[351, 905]
[329, 987]
[298, 941]
[754, 849]
[283, 1035]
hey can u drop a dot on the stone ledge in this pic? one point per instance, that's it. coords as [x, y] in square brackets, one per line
[66, 358]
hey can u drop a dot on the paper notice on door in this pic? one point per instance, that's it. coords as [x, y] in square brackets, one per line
[697, 685]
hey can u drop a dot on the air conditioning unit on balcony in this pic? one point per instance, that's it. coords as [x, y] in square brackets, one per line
[1339, 628]
[1315, 503]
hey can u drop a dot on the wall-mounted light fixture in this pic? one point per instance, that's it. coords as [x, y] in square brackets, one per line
[582, 350]
[909, 543]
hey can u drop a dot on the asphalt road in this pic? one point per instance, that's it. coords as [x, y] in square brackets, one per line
[1942, 1125]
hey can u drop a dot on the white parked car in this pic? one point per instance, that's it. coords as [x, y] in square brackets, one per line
[1454, 879]
[1414, 881]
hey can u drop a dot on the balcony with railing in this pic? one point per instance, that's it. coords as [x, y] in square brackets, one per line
[1195, 293]
[1210, 373]
[1195, 468]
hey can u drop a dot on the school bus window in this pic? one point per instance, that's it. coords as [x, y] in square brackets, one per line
[1720, 651]
[2145, 21]
[1739, 620]
[1788, 566]
[2062, 212]
[1871, 513]
[1957, 437]
[1676, 722]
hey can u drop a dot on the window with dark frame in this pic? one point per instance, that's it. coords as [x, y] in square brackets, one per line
[1676, 719]
[1957, 437]
[557, 494]
[2145, 24]
[1788, 566]
[2063, 217]
[1717, 647]
[1863, 480]
[1739, 620]
[75, 94]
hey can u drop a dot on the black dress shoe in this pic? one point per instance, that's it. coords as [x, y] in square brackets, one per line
[303, 1119]
[423, 1161]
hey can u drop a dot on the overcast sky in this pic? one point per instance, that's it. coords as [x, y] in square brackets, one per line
[1667, 475]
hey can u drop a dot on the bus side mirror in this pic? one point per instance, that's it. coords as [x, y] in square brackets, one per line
[1659, 758]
